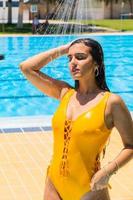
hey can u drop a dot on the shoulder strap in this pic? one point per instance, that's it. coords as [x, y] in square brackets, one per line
[67, 94]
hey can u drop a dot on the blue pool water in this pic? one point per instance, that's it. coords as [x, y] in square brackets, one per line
[19, 98]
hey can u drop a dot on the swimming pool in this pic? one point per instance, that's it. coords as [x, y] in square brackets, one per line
[19, 98]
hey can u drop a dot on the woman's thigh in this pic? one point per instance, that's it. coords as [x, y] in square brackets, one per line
[50, 192]
[96, 195]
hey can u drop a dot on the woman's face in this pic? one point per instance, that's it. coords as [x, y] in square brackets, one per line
[81, 63]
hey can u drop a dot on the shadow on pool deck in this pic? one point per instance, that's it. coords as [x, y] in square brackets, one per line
[24, 159]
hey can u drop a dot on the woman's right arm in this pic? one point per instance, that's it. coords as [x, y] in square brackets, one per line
[48, 85]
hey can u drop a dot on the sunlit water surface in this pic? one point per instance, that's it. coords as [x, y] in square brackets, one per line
[19, 98]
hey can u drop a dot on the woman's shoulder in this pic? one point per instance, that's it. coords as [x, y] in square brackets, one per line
[115, 102]
[66, 90]
[115, 98]
[115, 109]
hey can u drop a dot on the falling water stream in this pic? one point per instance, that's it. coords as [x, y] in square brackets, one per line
[70, 15]
[70, 18]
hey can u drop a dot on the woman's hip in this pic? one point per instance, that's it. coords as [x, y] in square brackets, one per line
[50, 192]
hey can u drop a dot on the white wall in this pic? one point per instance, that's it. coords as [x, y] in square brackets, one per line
[14, 15]
[4, 13]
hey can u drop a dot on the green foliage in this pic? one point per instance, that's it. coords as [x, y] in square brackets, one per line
[117, 24]
[120, 25]
[12, 28]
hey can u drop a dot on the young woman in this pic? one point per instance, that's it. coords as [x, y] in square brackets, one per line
[82, 123]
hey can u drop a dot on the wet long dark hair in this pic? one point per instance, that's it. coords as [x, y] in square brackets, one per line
[98, 56]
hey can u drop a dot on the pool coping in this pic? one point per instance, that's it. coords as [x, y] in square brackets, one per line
[25, 124]
[58, 35]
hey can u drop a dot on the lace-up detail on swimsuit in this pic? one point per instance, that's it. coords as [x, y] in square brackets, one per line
[64, 165]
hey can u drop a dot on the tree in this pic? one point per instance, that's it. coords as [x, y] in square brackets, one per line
[48, 2]
[130, 4]
[20, 15]
[111, 2]
[9, 3]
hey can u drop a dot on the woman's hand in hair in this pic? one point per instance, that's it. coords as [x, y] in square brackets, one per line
[63, 49]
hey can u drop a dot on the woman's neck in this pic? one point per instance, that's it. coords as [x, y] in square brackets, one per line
[87, 86]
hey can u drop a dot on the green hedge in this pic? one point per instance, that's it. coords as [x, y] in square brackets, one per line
[12, 28]
[117, 24]
[121, 25]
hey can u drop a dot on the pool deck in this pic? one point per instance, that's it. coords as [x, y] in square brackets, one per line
[24, 158]
[46, 35]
